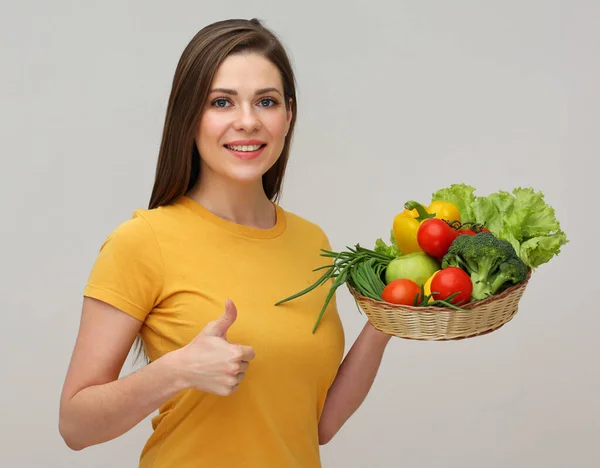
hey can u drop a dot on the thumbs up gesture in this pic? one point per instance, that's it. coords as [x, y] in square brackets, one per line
[210, 363]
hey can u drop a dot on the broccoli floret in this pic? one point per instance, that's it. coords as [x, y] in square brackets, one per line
[492, 263]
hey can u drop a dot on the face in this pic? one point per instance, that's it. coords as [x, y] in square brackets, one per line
[242, 130]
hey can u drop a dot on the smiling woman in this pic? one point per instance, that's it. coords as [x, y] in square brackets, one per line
[242, 131]
[193, 280]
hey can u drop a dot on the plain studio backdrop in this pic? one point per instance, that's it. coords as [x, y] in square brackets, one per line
[396, 100]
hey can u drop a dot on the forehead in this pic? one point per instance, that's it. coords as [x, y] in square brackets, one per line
[247, 71]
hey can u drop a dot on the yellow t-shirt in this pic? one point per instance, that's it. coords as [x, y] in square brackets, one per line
[174, 267]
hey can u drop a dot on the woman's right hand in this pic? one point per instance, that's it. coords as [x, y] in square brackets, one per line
[209, 362]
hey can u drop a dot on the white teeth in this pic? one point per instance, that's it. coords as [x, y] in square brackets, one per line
[244, 147]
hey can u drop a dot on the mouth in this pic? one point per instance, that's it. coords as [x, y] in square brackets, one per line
[246, 150]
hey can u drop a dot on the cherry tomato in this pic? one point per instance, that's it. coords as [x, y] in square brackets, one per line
[472, 231]
[402, 291]
[451, 280]
[435, 236]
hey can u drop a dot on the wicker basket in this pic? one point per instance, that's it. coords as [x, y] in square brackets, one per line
[443, 323]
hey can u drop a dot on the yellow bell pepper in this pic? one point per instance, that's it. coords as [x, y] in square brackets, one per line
[427, 285]
[406, 225]
[444, 210]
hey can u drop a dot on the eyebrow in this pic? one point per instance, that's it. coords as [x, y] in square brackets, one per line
[233, 92]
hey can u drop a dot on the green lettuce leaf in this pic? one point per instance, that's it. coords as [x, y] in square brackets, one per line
[382, 247]
[493, 209]
[539, 250]
[534, 216]
[462, 196]
[506, 234]
[523, 218]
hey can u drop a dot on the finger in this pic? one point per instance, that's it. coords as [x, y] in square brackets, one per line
[220, 326]
[247, 353]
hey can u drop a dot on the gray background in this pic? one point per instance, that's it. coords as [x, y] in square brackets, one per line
[396, 100]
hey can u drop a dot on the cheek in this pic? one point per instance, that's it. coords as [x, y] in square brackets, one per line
[277, 125]
[211, 129]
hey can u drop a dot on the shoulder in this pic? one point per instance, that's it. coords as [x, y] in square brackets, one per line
[137, 227]
[307, 228]
[130, 236]
[136, 233]
[146, 222]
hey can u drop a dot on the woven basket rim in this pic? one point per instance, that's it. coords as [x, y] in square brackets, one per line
[470, 305]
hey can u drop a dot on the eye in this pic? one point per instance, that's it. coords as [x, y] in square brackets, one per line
[220, 102]
[268, 102]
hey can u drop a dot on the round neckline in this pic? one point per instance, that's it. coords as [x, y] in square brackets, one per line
[235, 228]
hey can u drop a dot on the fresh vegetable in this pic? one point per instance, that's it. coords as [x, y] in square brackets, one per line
[418, 230]
[524, 219]
[521, 217]
[469, 229]
[427, 285]
[461, 248]
[492, 263]
[435, 236]
[444, 210]
[366, 276]
[452, 282]
[402, 291]
[391, 250]
[460, 195]
[416, 266]
[406, 225]
[362, 268]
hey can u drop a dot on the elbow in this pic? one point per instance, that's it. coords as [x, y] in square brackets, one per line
[325, 434]
[74, 447]
[70, 441]
[68, 434]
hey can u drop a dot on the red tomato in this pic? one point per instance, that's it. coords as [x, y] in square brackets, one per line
[402, 291]
[471, 229]
[435, 236]
[451, 280]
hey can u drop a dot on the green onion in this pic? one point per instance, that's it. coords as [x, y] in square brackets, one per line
[360, 267]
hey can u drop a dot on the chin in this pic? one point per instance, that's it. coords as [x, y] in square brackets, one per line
[245, 175]
[249, 172]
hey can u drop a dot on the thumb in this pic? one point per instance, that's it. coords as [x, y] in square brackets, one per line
[220, 326]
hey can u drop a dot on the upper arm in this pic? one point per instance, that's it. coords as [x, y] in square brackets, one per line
[122, 289]
[103, 342]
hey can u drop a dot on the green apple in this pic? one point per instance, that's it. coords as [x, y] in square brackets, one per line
[417, 266]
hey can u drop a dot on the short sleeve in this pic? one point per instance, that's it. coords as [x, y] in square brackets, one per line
[128, 272]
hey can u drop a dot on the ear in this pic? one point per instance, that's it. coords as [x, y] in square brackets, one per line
[289, 114]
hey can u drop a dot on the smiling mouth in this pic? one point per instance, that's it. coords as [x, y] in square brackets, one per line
[245, 148]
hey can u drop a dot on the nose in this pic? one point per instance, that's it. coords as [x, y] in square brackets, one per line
[247, 119]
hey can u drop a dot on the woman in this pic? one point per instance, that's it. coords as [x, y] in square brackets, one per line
[237, 381]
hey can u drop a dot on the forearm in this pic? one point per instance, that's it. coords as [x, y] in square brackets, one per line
[353, 381]
[100, 413]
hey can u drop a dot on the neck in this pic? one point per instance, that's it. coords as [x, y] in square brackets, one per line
[245, 204]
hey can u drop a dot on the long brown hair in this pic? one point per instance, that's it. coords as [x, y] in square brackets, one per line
[178, 165]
